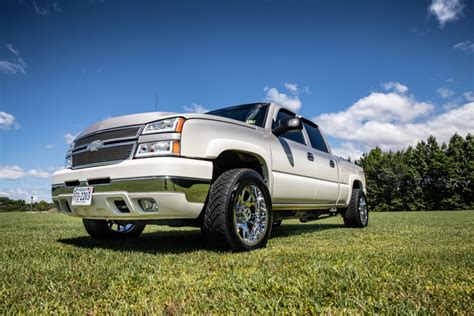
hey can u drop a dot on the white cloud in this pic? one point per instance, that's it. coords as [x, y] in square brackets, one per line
[40, 10]
[196, 108]
[293, 103]
[18, 65]
[53, 169]
[395, 86]
[45, 9]
[12, 49]
[446, 10]
[16, 172]
[39, 174]
[19, 183]
[348, 150]
[11, 68]
[69, 138]
[384, 107]
[451, 105]
[469, 97]
[49, 146]
[394, 121]
[8, 121]
[457, 102]
[444, 92]
[466, 46]
[292, 87]
[11, 172]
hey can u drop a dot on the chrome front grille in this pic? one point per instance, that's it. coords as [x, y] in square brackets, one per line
[106, 147]
[104, 155]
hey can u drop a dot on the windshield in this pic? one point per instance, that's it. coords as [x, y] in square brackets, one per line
[254, 113]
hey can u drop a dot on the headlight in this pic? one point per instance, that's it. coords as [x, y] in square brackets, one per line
[161, 148]
[174, 124]
[68, 162]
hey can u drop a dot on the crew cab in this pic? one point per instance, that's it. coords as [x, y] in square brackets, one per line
[235, 172]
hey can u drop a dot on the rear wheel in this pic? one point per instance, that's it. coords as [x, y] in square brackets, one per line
[104, 229]
[239, 211]
[357, 214]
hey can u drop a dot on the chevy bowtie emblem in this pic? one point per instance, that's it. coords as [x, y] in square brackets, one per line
[95, 145]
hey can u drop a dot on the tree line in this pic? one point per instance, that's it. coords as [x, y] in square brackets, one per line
[427, 176]
[9, 205]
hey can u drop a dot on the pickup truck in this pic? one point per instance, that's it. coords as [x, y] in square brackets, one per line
[235, 172]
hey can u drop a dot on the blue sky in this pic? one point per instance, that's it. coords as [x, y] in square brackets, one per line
[384, 73]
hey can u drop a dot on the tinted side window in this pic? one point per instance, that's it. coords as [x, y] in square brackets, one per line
[296, 136]
[315, 137]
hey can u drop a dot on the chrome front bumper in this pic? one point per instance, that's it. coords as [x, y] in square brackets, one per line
[176, 198]
[195, 190]
[179, 187]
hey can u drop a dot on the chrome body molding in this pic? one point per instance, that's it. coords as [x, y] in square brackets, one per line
[195, 190]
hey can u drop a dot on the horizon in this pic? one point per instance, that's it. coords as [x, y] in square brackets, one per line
[385, 74]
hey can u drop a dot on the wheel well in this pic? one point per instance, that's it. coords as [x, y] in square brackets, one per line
[234, 159]
[357, 185]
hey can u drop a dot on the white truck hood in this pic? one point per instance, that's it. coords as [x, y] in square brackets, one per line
[125, 120]
[142, 118]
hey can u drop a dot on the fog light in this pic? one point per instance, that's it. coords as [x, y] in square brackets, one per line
[148, 205]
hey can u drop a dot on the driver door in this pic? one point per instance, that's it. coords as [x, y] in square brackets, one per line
[293, 165]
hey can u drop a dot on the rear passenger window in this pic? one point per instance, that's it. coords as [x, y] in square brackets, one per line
[295, 135]
[315, 137]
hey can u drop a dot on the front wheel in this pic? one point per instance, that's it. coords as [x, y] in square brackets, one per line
[357, 214]
[239, 211]
[104, 229]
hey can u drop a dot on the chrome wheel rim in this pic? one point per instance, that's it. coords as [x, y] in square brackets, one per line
[363, 210]
[250, 214]
[119, 227]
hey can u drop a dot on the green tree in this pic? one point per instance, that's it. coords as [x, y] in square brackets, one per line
[468, 166]
[425, 177]
[458, 175]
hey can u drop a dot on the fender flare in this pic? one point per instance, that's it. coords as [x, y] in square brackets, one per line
[218, 146]
[352, 179]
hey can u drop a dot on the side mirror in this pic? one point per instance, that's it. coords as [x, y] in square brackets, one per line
[288, 124]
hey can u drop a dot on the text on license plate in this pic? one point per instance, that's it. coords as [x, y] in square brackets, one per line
[82, 196]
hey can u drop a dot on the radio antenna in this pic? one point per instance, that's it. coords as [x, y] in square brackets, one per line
[156, 102]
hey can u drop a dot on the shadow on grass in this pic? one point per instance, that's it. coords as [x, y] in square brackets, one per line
[287, 230]
[156, 242]
[176, 242]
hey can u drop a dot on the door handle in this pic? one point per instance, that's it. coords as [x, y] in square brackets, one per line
[332, 164]
[310, 157]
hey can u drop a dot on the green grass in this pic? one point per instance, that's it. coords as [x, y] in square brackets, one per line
[419, 262]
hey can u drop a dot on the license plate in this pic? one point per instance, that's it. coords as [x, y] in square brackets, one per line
[82, 196]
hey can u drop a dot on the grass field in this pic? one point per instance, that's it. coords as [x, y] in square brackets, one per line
[403, 263]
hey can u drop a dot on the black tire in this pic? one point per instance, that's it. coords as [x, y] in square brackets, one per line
[103, 229]
[354, 214]
[219, 223]
[277, 223]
